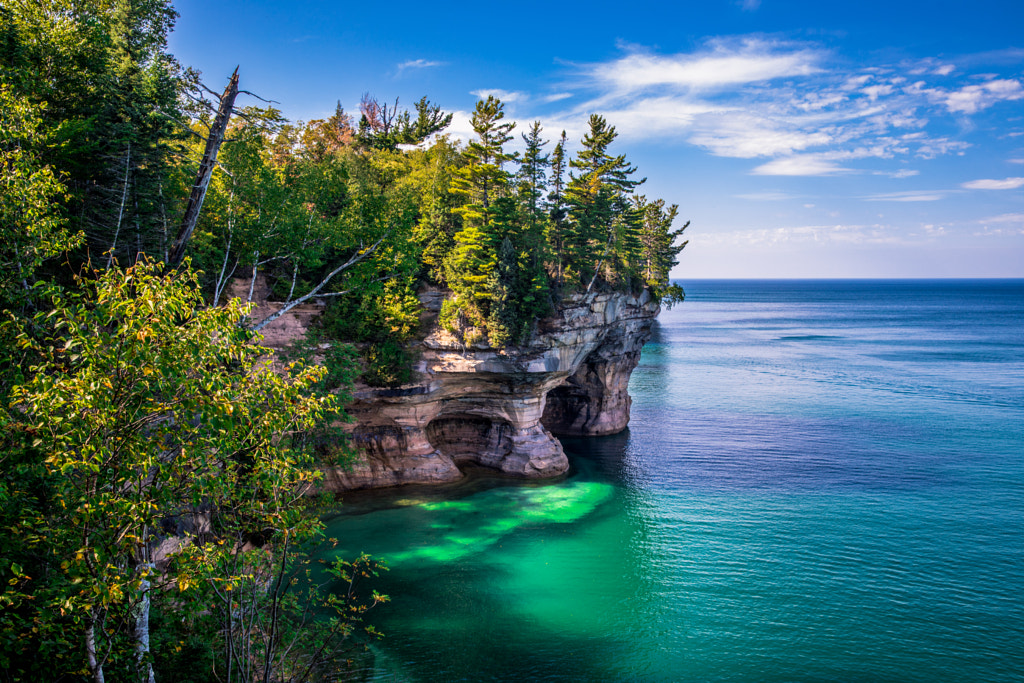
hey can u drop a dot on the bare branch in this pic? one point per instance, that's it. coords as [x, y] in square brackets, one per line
[356, 258]
[258, 97]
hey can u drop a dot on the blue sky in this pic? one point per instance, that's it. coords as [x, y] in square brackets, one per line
[802, 139]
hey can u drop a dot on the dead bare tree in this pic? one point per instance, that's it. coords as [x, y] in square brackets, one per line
[206, 166]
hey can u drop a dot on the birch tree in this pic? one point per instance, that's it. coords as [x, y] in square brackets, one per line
[143, 405]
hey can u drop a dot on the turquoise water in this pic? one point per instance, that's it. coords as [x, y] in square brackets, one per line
[822, 481]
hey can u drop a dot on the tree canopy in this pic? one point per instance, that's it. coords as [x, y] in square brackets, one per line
[156, 459]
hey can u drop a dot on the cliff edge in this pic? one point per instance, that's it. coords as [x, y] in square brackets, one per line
[502, 408]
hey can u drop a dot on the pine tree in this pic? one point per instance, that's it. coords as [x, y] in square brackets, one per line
[429, 120]
[658, 245]
[532, 177]
[557, 214]
[481, 181]
[384, 128]
[484, 178]
[467, 270]
[597, 198]
[503, 320]
[623, 255]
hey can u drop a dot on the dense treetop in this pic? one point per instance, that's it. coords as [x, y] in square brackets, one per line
[104, 112]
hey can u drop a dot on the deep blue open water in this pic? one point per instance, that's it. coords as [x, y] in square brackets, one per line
[822, 481]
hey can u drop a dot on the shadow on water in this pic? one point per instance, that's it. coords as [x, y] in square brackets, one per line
[475, 480]
[603, 457]
[495, 579]
[451, 628]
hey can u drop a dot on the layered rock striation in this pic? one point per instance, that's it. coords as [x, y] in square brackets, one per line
[502, 408]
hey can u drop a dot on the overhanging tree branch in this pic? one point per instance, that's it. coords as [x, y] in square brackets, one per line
[358, 256]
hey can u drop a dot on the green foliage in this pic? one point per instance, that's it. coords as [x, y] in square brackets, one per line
[433, 172]
[670, 294]
[601, 233]
[319, 139]
[112, 95]
[468, 270]
[384, 128]
[282, 618]
[518, 286]
[483, 178]
[31, 229]
[503, 323]
[143, 405]
[659, 247]
[449, 316]
[383, 323]
[482, 183]
[532, 177]
[557, 231]
[389, 364]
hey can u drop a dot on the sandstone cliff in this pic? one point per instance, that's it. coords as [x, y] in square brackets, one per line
[500, 409]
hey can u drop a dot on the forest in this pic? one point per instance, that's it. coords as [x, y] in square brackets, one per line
[155, 502]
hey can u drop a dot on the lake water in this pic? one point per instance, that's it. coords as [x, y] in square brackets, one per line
[822, 481]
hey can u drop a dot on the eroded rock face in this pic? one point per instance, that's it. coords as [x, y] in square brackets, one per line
[499, 408]
[595, 399]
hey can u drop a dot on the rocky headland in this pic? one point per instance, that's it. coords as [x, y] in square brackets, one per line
[502, 409]
[476, 405]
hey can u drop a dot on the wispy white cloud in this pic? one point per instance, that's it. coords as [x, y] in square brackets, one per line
[912, 196]
[902, 173]
[929, 148]
[766, 196]
[930, 66]
[753, 61]
[555, 97]
[1016, 161]
[506, 96]
[999, 232]
[992, 184]
[820, 235]
[875, 91]
[418, 64]
[750, 5]
[800, 165]
[1007, 225]
[794, 106]
[934, 230]
[743, 135]
[662, 116]
[1005, 218]
[971, 99]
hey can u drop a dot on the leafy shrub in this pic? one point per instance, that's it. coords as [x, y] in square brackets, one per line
[389, 364]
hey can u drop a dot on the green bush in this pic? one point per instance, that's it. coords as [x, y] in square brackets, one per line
[389, 364]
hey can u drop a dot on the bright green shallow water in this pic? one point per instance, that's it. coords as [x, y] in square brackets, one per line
[821, 482]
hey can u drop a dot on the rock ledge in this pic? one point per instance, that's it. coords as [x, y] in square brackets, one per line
[501, 408]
